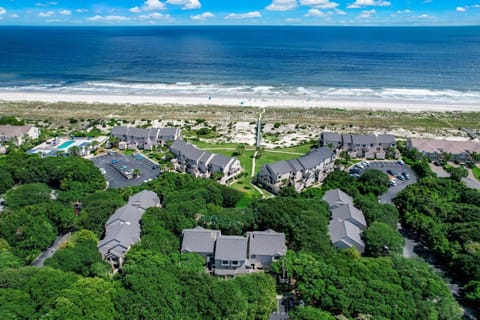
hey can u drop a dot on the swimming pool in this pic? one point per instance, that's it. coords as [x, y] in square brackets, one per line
[66, 144]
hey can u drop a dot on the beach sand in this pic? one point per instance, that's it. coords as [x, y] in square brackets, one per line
[348, 104]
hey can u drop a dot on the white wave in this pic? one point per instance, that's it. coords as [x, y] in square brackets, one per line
[245, 91]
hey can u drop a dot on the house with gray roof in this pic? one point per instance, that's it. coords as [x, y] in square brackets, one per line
[17, 134]
[201, 241]
[232, 255]
[144, 138]
[200, 163]
[347, 222]
[122, 229]
[300, 173]
[368, 146]
[265, 247]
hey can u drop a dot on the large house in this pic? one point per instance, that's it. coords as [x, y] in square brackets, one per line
[122, 229]
[299, 173]
[233, 255]
[347, 222]
[200, 163]
[133, 138]
[17, 134]
[369, 146]
[434, 149]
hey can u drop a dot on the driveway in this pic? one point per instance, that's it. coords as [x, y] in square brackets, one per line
[115, 179]
[50, 251]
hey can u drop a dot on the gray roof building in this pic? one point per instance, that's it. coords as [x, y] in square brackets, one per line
[151, 136]
[347, 222]
[268, 243]
[199, 240]
[231, 248]
[122, 229]
[336, 197]
[366, 140]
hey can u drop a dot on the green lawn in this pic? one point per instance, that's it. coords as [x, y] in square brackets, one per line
[476, 172]
[268, 156]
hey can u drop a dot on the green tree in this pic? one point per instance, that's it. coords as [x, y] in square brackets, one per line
[310, 313]
[373, 181]
[88, 298]
[381, 239]
[27, 194]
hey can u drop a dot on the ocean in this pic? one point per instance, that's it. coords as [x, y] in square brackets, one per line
[404, 63]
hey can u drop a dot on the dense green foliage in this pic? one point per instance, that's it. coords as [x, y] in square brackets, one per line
[376, 288]
[157, 282]
[446, 215]
[381, 239]
[80, 256]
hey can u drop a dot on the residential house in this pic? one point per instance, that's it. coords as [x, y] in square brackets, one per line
[434, 149]
[133, 138]
[201, 241]
[265, 247]
[17, 134]
[200, 163]
[299, 173]
[122, 229]
[347, 222]
[232, 255]
[369, 146]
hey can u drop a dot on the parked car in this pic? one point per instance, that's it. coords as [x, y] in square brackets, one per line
[400, 177]
[400, 162]
[406, 175]
[391, 172]
[115, 161]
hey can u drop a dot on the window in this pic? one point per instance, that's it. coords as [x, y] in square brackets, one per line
[235, 263]
[225, 263]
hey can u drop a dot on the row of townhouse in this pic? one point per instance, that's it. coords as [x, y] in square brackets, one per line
[435, 149]
[122, 229]
[371, 146]
[200, 163]
[233, 255]
[347, 224]
[139, 138]
[299, 173]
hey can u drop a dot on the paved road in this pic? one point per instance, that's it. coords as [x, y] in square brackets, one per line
[50, 251]
[259, 128]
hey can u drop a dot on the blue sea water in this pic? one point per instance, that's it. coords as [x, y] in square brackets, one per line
[419, 63]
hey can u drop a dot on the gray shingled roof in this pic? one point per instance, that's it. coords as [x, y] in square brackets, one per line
[199, 240]
[231, 248]
[336, 196]
[138, 132]
[315, 157]
[331, 136]
[349, 212]
[364, 139]
[119, 131]
[386, 138]
[144, 199]
[123, 227]
[220, 160]
[346, 232]
[266, 242]
[346, 138]
[168, 131]
[279, 168]
[205, 156]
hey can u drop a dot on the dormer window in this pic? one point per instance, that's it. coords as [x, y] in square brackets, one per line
[225, 263]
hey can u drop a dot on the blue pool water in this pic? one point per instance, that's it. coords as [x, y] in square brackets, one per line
[66, 144]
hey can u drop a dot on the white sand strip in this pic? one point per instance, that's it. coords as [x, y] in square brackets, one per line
[353, 104]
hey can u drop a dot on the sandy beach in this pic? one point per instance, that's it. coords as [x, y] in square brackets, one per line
[350, 104]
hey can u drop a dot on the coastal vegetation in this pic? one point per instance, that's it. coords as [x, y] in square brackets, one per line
[156, 279]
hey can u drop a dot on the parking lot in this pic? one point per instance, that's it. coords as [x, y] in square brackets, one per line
[397, 168]
[149, 170]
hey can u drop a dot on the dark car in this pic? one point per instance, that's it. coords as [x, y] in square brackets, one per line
[406, 175]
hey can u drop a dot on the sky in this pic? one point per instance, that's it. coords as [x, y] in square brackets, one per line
[240, 12]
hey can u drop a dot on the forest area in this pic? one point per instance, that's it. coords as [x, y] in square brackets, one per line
[157, 282]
